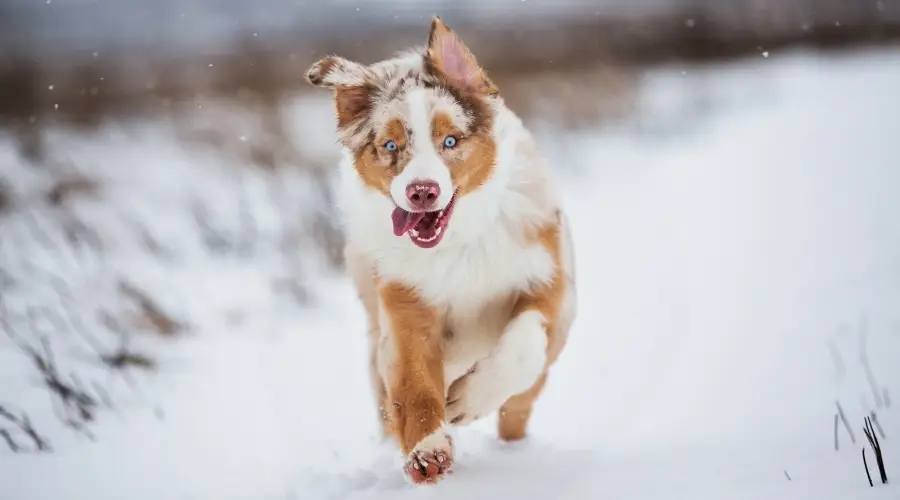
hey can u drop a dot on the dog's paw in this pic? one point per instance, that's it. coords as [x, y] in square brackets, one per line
[431, 459]
[473, 396]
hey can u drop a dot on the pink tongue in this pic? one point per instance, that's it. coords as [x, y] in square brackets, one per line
[404, 221]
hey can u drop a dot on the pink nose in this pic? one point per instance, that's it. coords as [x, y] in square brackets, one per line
[422, 195]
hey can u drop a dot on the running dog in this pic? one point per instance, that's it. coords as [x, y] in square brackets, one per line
[457, 244]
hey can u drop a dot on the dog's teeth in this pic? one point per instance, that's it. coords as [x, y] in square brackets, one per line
[440, 214]
[438, 230]
[415, 233]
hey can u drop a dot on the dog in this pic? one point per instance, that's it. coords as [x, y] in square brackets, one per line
[456, 242]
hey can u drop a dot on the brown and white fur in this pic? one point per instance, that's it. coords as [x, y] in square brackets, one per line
[470, 321]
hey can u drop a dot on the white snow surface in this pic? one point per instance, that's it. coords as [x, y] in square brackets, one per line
[731, 265]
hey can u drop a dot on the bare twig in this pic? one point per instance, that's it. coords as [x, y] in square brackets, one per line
[123, 358]
[69, 396]
[153, 245]
[876, 447]
[102, 394]
[866, 465]
[874, 419]
[864, 359]
[9, 440]
[24, 426]
[151, 312]
[843, 418]
[212, 237]
[836, 424]
[77, 232]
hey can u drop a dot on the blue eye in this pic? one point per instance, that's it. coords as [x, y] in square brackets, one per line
[390, 146]
[449, 141]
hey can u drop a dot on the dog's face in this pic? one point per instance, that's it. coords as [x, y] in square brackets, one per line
[419, 128]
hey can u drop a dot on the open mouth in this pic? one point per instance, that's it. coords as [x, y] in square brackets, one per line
[426, 229]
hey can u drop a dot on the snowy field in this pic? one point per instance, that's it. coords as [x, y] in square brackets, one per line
[738, 252]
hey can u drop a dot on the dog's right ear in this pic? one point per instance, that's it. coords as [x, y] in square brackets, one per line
[352, 83]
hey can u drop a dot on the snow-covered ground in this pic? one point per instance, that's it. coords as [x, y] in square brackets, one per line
[733, 267]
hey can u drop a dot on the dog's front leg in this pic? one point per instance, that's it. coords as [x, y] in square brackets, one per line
[513, 375]
[515, 365]
[414, 372]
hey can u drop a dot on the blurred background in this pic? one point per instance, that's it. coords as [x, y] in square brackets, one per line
[80, 61]
[166, 178]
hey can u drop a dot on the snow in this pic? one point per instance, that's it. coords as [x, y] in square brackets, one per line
[730, 248]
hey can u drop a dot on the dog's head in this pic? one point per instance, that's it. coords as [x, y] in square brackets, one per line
[419, 128]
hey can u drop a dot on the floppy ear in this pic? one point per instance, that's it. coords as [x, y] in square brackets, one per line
[336, 72]
[448, 57]
[352, 85]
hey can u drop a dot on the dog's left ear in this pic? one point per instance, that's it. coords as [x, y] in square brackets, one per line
[448, 57]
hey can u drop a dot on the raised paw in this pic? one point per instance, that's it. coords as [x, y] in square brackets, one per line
[472, 397]
[431, 459]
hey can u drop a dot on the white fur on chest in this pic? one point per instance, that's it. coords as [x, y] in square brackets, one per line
[466, 278]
